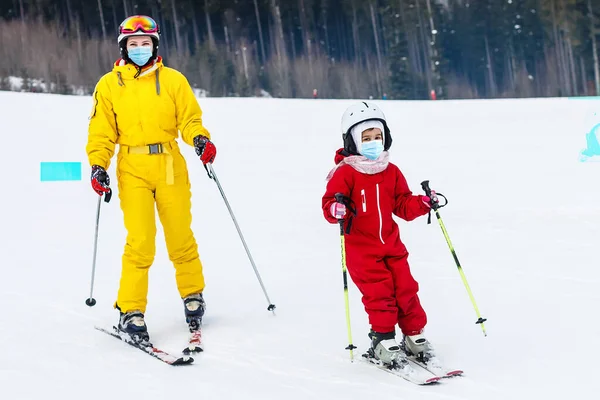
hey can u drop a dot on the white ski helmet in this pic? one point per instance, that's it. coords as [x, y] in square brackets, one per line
[357, 113]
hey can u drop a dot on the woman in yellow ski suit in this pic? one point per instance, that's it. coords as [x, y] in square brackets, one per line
[141, 105]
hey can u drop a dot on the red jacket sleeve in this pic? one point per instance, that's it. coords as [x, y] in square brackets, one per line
[341, 182]
[407, 206]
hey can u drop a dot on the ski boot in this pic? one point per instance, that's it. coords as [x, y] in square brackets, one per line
[418, 348]
[132, 323]
[386, 353]
[385, 349]
[194, 306]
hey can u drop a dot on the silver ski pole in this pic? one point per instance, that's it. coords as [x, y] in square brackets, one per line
[91, 301]
[213, 176]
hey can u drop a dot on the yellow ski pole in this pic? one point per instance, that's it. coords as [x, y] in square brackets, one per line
[340, 199]
[436, 206]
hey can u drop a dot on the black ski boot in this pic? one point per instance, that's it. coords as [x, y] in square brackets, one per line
[133, 324]
[194, 307]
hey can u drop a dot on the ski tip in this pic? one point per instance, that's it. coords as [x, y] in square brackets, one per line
[435, 379]
[185, 360]
[456, 372]
[192, 350]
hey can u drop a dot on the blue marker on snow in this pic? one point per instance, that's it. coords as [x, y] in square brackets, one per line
[60, 171]
[592, 148]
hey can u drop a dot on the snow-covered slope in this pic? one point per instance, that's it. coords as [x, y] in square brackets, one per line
[523, 216]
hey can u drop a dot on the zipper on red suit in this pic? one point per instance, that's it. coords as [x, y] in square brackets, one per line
[380, 218]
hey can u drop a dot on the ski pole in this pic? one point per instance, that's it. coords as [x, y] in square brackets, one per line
[340, 199]
[436, 206]
[91, 301]
[211, 174]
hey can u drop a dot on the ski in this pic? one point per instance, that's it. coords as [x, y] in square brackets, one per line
[440, 370]
[411, 372]
[148, 348]
[194, 343]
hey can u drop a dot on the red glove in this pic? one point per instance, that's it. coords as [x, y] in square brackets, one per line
[205, 149]
[337, 210]
[430, 201]
[100, 180]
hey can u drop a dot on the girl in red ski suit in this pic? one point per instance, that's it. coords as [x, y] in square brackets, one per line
[376, 258]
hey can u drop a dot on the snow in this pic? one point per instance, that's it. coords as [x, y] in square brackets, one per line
[522, 216]
[34, 85]
[18, 84]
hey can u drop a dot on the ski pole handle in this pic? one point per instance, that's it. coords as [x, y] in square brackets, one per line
[339, 198]
[426, 188]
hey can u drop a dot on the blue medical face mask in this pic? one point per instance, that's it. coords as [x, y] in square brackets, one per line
[372, 149]
[140, 55]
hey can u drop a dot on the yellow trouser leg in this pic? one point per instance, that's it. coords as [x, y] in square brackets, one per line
[137, 203]
[174, 210]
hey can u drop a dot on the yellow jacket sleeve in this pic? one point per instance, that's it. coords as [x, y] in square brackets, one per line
[102, 130]
[189, 113]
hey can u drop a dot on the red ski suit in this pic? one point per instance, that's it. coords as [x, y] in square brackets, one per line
[376, 258]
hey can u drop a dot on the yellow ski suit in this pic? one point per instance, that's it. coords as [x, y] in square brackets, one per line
[143, 115]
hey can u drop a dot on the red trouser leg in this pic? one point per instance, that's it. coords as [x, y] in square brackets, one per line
[375, 281]
[411, 316]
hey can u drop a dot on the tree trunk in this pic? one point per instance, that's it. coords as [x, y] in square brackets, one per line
[102, 19]
[584, 88]
[245, 61]
[427, 56]
[77, 27]
[197, 40]
[211, 36]
[260, 34]
[413, 50]
[227, 43]
[279, 37]
[513, 69]
[557, 48]
[552, 74]
[565, 66]
[292, 40]
[433, 45]
[355, 35]
[125, 8]
[490, 69]
[175, 27]
[306, 39]
[285, 88]
[509, 75]
[164, 41]
[377, 48]
[341, 37]
[325, 26]
[114, 13]
[594, 48]
[21, 11]
[571, 62]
